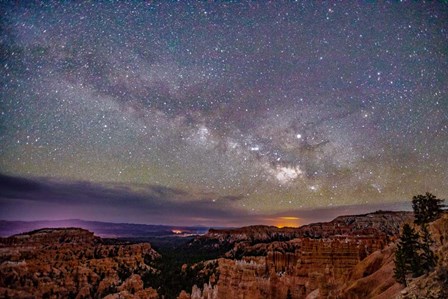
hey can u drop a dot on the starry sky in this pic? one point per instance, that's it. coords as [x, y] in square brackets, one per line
[220, 113]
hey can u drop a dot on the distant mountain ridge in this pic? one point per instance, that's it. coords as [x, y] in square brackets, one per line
[380, 225]
[102, 229]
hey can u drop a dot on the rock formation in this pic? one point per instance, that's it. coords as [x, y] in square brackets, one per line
[434, 284]
[312, 261]
[349, 257]
[381, 225]
[72, 262]
[373, 277]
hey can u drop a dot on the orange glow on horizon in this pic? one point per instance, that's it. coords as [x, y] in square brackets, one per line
[286, 221]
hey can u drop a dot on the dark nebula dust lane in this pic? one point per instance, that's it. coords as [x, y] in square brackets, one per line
[221, 110]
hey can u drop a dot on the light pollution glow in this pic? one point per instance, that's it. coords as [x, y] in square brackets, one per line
[220, 113]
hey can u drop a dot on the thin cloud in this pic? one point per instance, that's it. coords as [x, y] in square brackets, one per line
[46, 199]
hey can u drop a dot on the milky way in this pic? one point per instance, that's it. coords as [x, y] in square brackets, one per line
[256, 107]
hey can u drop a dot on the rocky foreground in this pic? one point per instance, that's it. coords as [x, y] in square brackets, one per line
[349, 257]
[72, 263]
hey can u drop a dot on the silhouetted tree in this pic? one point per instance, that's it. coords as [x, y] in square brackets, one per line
[426, 208]
[408, 247]
[401, 268]
[288, 295]
[427, 257]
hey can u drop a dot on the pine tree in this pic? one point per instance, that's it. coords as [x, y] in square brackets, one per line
[427, 256]
[410, 246]
[426, 208]
[401, 268]
[414, 256]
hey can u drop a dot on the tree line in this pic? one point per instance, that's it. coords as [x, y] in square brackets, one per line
[414, 255]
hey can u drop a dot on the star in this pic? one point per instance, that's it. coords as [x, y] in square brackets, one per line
[257, 109]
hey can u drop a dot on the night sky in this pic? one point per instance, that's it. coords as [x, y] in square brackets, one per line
[220, 113]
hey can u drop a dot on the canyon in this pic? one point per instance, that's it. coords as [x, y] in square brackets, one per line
[349, 257]
[72, 263]
[308, 262]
